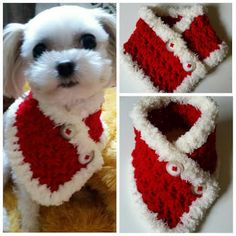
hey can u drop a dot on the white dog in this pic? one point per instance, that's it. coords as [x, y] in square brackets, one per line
[53, 134]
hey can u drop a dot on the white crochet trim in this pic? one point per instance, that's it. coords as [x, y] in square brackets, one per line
[190, 220]
[134, 70]
[62, 117]
[189, 14]
[175, 152]
[181, 50]
[40, 193]
[216, 56]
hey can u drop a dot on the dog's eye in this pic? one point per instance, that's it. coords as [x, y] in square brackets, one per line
[38, 50]
[88, 41]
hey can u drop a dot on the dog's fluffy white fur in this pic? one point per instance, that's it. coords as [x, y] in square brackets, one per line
[60, 29]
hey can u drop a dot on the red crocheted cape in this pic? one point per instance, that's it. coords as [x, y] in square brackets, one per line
[50, 160]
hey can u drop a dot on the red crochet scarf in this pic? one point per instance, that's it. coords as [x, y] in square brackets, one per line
[172, 176]
[171, 49]
[46, 149]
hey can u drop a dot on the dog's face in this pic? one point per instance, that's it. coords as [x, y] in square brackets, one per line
[66, 53]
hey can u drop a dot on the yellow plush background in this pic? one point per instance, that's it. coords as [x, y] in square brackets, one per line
[93, 209]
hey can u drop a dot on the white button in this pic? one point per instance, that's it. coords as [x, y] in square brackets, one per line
[198, 190]
[189, 66]
[174, 168]
[170, 46]
[85, 159]
[68, 131]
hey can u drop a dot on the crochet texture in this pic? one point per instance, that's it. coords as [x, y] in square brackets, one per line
[169, 197]
[159, 182]
[153, 51]
[53, 160]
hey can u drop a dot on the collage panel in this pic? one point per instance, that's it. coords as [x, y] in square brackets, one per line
[176, 47]
[59, 145]
[176, 158]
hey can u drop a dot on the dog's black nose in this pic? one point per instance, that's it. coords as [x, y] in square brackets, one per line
[65, 69]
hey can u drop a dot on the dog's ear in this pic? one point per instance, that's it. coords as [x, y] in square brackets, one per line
[13, 78]
[108, 21]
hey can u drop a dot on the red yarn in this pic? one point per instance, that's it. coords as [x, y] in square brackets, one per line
[168, 196]
[149, 51]
[206, 155]
[201, 37]
[164, 194]
[174, 116]
[95, 125]
[163, 68]
[52, 159]
[169, 20]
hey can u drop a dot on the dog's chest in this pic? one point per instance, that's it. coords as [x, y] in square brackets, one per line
[49, 151]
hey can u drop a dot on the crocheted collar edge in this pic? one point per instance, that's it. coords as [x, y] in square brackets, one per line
[166, 33]
[40, 193]
[168, 152]
[194, 138]
[188, 221]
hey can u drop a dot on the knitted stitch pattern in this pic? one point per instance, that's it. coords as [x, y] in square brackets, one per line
[169, 197]
[179, 116]
[58, 158]
[171, 53]
[166, 183]
[150, 52]
[46, 155]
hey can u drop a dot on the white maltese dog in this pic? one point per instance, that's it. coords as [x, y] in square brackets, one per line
[53, 134]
